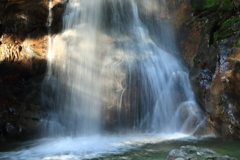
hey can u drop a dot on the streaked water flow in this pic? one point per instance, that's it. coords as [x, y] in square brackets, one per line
[114, 69]
[108, 72]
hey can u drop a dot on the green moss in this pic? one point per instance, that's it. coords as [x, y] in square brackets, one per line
[218, 36]
[220, 15]
[225, 30]
[195, 5]
[226, 5]
[230, 22]
[201, 5]
[211, 3]
[219, 4]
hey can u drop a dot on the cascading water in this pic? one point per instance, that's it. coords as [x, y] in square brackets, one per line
[74, 79]
[113, 69]
[109, 71]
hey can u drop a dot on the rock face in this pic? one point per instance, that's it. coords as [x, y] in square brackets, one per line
[195, 153]
[211, 48]
[23, 47]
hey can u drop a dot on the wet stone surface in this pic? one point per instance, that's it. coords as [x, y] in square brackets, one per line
[196, 153]
[211, 49]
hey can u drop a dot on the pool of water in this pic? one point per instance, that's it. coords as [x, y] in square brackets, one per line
[159, 151]
[113, 147]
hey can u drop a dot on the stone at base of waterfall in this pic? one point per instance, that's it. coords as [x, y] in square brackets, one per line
[195, 153]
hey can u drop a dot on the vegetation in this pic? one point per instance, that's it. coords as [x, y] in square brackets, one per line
[219, 4]
[221, 16]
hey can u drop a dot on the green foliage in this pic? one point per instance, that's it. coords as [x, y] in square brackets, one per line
[221, 16]
[204, 4]
[226, 5]
[218, 36]
[225, 30]
[210, 3]
[230, 22]
[217, 4]
[195, 5]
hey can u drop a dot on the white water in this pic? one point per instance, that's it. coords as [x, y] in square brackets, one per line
[73, 80]
[109, 70]
[89, 147]
[113, 69]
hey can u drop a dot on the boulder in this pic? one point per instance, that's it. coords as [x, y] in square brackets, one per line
[195, 153]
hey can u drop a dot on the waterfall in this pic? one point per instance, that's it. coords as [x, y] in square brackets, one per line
[74, 80]
[114, 68]
[115, 82]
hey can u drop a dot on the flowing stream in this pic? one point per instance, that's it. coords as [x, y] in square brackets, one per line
[115, 82]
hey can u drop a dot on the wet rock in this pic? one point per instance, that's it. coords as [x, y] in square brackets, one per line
[204, 128]
[57, 9]
[18, 120]
[210, 47]
[194, 117]
[195, 153]
[24, 31]
[12, 130]
[19, 107]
